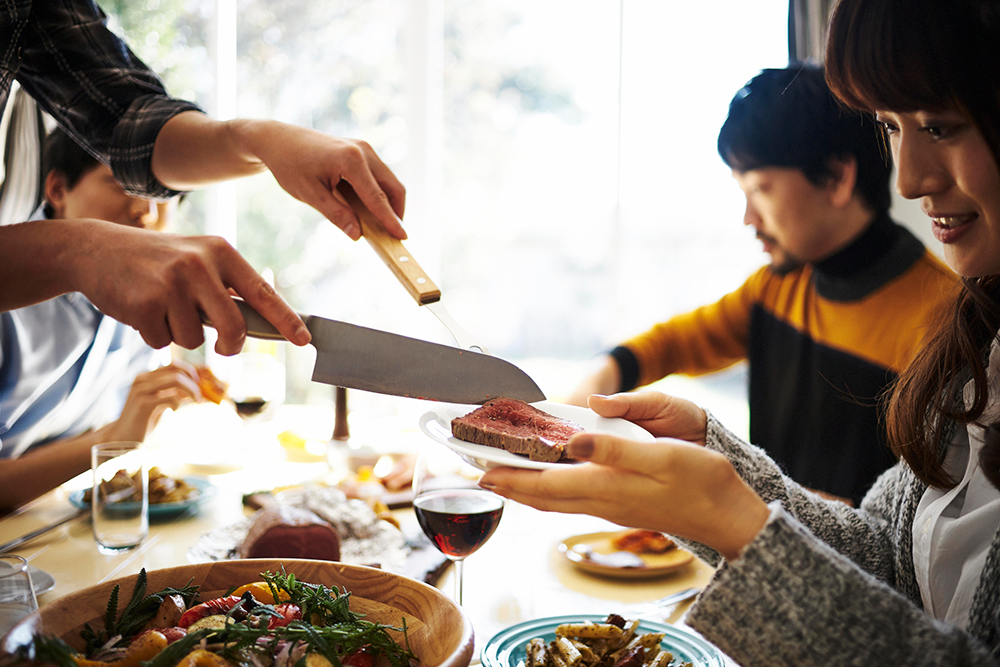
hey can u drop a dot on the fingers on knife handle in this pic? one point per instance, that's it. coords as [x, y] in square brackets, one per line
[257, 326]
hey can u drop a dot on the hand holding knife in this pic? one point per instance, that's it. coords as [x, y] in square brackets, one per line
[371, 360]
[357, 357]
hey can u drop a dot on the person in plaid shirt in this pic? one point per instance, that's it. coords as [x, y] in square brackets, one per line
[62, 53]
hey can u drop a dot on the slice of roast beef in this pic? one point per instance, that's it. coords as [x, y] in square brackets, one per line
[281, 531]
[516, 426]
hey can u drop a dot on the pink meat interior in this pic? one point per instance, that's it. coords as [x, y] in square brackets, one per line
[519, 419]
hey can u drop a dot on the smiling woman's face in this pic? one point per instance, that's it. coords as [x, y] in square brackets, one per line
[943, 160]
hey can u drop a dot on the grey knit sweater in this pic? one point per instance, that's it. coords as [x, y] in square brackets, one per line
[825, 584]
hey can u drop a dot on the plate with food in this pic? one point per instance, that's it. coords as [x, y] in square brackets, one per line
[309, 522]
[508, 432]
[168, 496]
[625, 554]
[597, 640]
[258, 612]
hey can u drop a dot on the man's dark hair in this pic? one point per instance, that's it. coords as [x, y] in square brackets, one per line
[62, 153]
[790, 118]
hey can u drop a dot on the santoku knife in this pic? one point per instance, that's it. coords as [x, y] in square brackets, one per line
[357, 357]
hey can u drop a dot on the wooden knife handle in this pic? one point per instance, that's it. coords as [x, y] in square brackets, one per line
[391, 250]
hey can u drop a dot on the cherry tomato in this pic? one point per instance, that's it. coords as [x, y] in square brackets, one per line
[361, 657]
[289, 612]
[173, 634]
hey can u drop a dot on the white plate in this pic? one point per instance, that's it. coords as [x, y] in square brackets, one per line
[436, 424]
[41, 581]
[365, 538]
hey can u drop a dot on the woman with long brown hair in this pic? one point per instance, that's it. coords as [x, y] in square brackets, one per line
[912, 577]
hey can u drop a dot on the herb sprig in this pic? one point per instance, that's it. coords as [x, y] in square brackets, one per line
[328, 627]
[45, 650]
[319, 604]
[333, 642]
[140, 609]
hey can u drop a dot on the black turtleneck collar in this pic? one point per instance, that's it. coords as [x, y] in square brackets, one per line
[882, 252]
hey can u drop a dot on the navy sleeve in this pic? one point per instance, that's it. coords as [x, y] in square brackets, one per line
[629, 366]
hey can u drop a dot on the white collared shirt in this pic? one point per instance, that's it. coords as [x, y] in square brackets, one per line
[65, 368]
[953, 528]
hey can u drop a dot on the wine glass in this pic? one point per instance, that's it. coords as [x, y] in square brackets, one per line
[454, 512]
[256, 383]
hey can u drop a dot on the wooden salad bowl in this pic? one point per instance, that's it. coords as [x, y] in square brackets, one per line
[440, 633]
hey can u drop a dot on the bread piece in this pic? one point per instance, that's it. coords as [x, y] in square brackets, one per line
[641, 541]
[212, 388]
[516, 426]
[280, 531]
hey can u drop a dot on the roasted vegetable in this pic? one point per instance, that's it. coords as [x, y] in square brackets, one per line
[235, 630]
[210, 608]
[145, 647]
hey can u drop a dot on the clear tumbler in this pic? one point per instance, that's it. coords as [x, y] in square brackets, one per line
[120, 498]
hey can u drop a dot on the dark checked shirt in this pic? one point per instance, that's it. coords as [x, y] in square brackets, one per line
[64, 56]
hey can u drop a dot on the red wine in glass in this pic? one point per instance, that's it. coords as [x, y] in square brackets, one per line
[250, 406]
[458, 521]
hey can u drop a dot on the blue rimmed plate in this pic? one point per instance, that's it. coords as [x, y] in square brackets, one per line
[162, 510]
[506, 648]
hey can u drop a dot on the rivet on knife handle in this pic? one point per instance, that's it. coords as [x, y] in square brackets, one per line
[392, 251]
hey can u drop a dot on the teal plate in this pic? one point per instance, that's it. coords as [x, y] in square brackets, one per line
[161, 510]
[506, 648]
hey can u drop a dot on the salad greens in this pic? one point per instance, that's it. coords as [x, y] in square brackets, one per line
[139, 611]
[327, 627]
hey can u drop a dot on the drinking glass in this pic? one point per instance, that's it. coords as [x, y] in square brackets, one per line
[256, 382]
[453, 511]
[120, 496]
[17, 597]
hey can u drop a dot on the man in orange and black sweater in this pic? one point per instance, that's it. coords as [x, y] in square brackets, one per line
[845, 304]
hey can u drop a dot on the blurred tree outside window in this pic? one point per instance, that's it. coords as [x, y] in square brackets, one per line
[581, 197]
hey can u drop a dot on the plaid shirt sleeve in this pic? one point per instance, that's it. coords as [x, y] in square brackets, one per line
[93, 85]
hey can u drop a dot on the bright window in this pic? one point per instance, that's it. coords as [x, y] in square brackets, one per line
[564, 186]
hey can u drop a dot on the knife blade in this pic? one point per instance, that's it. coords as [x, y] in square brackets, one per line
[348, 355]
[27, 537]
[406, 269]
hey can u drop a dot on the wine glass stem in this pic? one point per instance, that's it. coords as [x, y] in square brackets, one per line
[459, 568]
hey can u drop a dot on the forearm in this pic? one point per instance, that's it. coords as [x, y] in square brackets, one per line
[44, 468]
[865, 536]
[605, 380]
[702, 341]
[193, 150]
[34, 261]
[782, 601]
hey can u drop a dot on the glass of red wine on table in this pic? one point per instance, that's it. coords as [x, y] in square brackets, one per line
[454, 512]
[256, 380]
